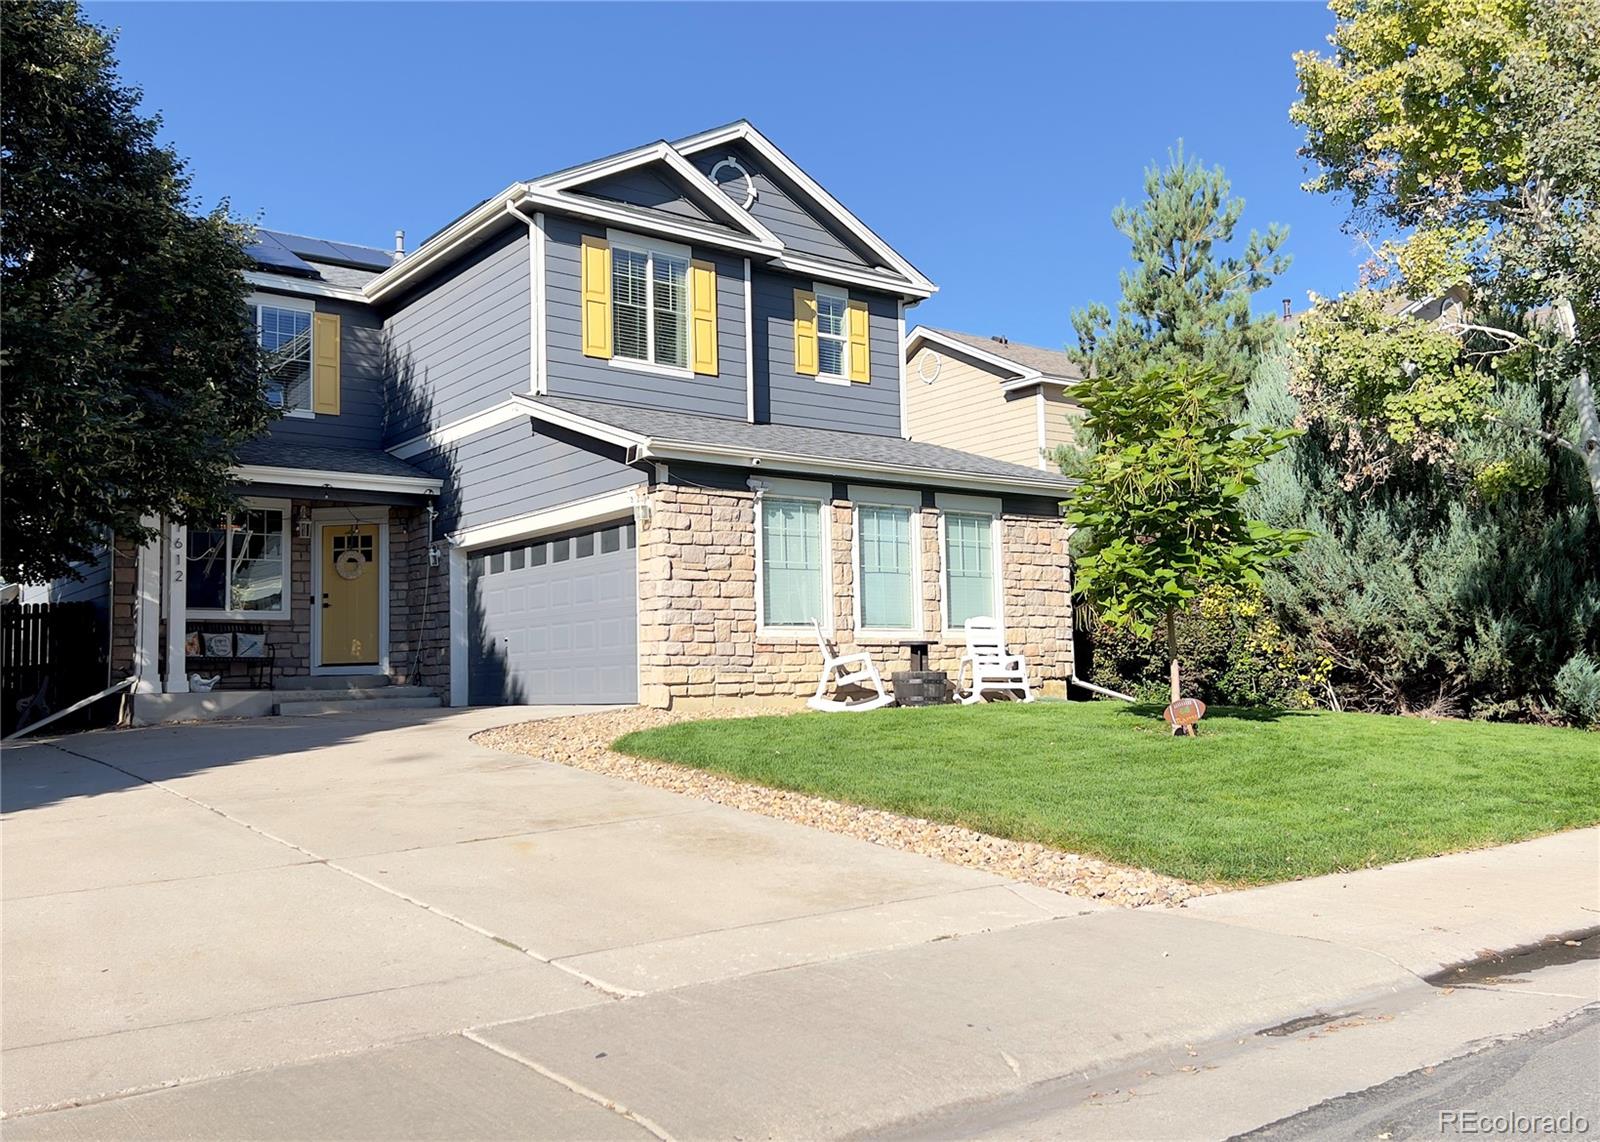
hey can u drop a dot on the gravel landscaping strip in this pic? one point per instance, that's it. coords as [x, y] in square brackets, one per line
[585, 741]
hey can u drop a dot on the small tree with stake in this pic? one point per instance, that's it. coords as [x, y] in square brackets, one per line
[1161, 499]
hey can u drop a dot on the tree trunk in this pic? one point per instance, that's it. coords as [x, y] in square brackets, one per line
[1172, 653]
[1583, 396]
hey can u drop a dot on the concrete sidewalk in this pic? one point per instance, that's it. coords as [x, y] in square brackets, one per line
[370, 927]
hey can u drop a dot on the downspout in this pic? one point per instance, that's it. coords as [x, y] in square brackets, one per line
[535, 350]
[1092, 688]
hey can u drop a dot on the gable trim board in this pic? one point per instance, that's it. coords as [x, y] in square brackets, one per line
[1025, 376]
[745, 131]
[305, 287]
[642, 447]
[662, 151]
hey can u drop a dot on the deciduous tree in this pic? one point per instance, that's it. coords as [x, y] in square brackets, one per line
[1162, 497]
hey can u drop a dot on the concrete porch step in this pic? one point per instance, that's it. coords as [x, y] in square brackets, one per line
[344, 704]
[333, 682]
[353, 694]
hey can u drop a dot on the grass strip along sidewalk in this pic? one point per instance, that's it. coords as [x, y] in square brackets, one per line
[1259, 796]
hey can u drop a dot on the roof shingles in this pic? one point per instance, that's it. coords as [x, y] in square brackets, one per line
[662, 426]
[1049, 362]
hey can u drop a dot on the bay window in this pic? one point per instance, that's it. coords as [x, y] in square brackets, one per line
[239, 568]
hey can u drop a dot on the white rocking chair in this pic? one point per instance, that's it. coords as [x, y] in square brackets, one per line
[845, 670]
[991, 669]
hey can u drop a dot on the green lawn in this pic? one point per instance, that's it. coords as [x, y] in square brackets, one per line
[1256, 797]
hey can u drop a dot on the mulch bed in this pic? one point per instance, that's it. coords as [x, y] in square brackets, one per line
[585, 741]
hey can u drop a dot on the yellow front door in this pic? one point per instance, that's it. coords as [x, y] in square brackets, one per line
[351, 580]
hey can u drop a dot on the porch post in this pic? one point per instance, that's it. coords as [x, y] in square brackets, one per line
[459, 693]
[147, 614]
[177, 592]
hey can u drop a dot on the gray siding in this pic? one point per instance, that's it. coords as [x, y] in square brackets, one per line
[515, 469]
[644, 187]
[574, 375]
[778, 210]
[94, 587]
[785, 397]
[360, 420]
[460, 343]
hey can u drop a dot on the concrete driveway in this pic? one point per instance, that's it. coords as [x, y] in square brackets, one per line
[189, 902]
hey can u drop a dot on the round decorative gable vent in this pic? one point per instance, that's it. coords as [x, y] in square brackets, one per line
[928, 367]
[734, 181]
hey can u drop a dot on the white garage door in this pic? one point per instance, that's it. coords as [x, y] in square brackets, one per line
[555, 621]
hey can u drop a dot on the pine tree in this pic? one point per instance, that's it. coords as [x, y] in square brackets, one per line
[1184, 300]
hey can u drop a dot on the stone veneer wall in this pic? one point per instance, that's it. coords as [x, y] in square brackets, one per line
[419, 611]
[697, 607]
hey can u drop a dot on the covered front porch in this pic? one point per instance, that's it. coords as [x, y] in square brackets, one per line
[324, 586]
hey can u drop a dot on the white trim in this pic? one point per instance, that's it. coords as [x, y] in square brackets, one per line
[904, 500]
[575, 514]
[663, 152]
[900, 339]
[637, 220]
[460, 692]
[1038, 397]
[284, 613]
[349, 481]
[533, 299]
[749, 348]
[489, 213]
[336, 518]
[791, 489]
[176, 590]
[259, 301]
[829, 290]
[592, 428]
[996, 531]
[886, 497]
[805, 491]
[288, 283]
[651, 249]
[634, 365]
[541, 316]
[646, 448]
[1035, 382]
[147, 615]
[1026, 376]
[746, 131]
[493, 417]
[749, 183]
[973, 505]
[872, 279]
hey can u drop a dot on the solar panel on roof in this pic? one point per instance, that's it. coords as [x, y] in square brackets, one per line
[269, 250]
[339, 253]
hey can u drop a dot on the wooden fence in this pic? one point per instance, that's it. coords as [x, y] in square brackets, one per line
[51, 655]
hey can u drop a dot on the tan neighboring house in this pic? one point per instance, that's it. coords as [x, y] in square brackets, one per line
[988, 395]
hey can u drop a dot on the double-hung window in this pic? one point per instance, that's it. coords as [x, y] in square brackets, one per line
[650, 304]
[238, 567]
[833, 335]
[969, 567]
[283, 330]
[887, 592]
[791, 562]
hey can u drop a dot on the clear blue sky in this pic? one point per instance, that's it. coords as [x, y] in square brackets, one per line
[988, 143]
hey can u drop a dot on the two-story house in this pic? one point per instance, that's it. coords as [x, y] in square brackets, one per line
[989, 395]
[619, 433]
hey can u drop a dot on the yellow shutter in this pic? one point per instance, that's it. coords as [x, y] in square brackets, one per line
[805, 333]
[596, 289]
[703, 317]
[860, 347]
[325, 364]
